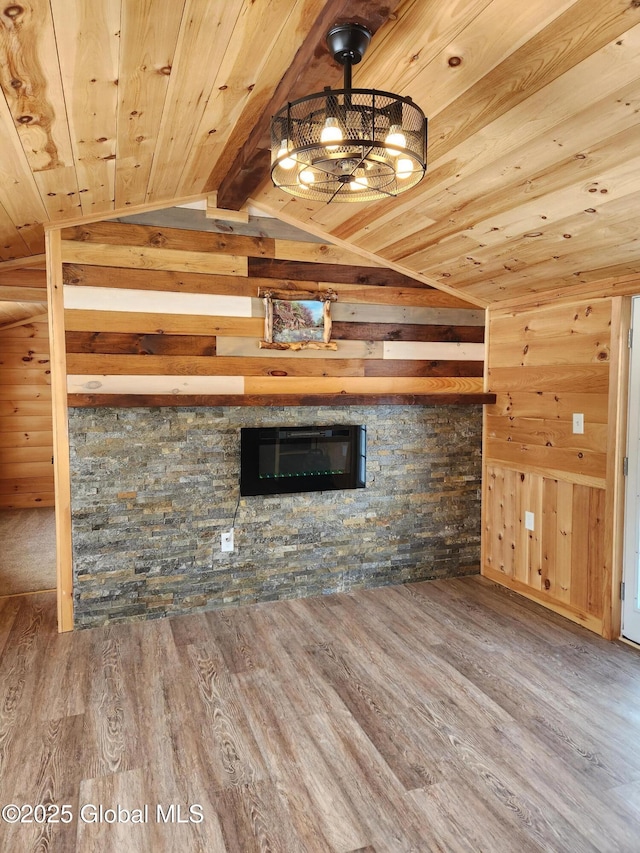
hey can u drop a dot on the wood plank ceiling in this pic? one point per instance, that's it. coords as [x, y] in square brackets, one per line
[534, 152]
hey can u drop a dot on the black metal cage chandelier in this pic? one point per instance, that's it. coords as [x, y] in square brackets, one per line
[348, 144]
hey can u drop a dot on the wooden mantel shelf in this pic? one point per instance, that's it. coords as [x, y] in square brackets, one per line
[148, 400]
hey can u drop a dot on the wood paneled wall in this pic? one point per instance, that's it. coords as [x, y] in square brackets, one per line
[160, 313]
[26, 441]
[545, 364]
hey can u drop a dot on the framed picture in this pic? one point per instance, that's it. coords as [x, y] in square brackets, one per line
[296, 320]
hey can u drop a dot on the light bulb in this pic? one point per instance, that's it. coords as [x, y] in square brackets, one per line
[395, 139]
[404, 167]
[288, 162]
[306, 177]
[360, 182]
[331, 132]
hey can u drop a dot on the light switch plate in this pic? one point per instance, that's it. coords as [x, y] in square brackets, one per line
[578, 423]
[529, 520]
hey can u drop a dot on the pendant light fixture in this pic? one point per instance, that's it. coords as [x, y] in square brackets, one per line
[348, 144]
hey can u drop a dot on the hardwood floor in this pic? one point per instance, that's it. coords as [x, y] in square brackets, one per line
[440, 716]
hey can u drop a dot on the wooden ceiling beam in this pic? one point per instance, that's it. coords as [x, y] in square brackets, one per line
[312, 69]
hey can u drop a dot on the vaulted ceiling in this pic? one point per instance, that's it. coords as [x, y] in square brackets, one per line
[533, 181]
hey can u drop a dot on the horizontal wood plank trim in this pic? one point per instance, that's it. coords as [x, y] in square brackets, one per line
[547, 433]
[17, 393]
[293, 250]
[27, 485]
[529, 404]
[586, 462]
[250, 348]
[24, 359]
[186, 324]
[352, 313]
[144, 301]
[177, 239]
[229, 285]
[189, 400]
[9, 293]
[583, 349]
[37, 375]
[20, 470]
[406, 332]
[35, 453]
[27, 501]
[174, 239]
[154, 384]
[26, 423]
[373, 385]
[586, 619]
[282, 270]
[139, 344]
[561, 377]
[549, 322]
[269, 365]
[152, 258]
[438, 350]
[24, 279]
[399, 367]
[185, 365]
[22, 438]
[26, 408]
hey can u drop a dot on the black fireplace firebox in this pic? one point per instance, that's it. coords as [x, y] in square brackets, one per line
[282, 460]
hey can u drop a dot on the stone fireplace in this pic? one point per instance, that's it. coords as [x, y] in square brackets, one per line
[153, 488]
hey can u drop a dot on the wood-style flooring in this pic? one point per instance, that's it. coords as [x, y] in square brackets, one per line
[438, 716]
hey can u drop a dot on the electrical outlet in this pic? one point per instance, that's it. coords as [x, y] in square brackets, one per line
[529, 520]
[226, 540]
[578, 423]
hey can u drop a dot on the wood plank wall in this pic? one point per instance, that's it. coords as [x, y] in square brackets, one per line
[157, 313]
[544, 364]
[26, 441]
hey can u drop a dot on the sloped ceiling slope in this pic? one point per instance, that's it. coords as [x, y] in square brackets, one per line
[534, 151]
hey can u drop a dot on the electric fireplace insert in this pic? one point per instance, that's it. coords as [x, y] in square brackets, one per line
[282, 460]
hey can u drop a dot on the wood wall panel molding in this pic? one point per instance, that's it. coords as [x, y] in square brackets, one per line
[186, 324]
[593, 623]
[372, 385]
[144, 384]
[172, 239]
[586, 462]
[561, 405]
[62, 476]
[227, 285]
[617, 447]
[547, 432]
[153, 258]
[19, 438]
[563, 377]
[433, 351]
[114, 343]
[220, 365]
[146, 302]
[245, 347]
[406, 332]
[352, 313]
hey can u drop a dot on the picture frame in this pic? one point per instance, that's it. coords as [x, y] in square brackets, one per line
[297, 320]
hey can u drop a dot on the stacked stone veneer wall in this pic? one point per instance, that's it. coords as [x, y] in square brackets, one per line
[152, 490]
